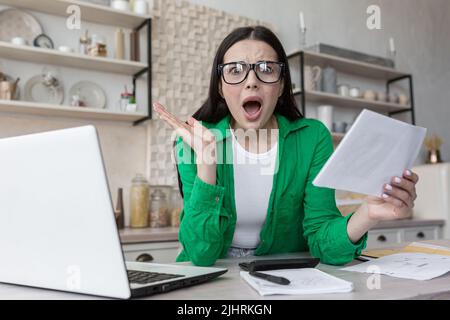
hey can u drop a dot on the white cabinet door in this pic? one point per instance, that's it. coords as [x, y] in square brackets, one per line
[161, 252]
[380, 238]
[383, 238]
[420, 234]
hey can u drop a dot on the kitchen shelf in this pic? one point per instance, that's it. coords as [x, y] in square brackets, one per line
[354, 67]
[337, 100]
[89, 11]
[93, 13]
[72, 60]
[44, 109]
[367, 70]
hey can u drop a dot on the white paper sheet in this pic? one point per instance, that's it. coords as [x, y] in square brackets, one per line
[303, 281]
[375, 149]
[417, 266]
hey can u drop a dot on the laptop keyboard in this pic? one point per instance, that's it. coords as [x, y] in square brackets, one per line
[145, 277]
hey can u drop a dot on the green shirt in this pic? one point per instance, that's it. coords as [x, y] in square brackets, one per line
[300, 216]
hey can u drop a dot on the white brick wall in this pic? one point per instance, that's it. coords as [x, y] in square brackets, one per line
[184, 41]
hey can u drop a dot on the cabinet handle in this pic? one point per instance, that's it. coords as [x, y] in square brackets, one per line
[145, 257]
[381, 238]
[420, 235]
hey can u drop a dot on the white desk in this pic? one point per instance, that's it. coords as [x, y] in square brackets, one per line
[231, 286]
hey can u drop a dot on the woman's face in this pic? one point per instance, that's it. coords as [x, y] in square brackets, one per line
[251, 102]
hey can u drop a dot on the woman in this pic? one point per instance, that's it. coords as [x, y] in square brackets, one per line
[233, 208]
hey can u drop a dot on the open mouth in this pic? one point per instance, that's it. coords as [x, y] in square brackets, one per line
[252, 108]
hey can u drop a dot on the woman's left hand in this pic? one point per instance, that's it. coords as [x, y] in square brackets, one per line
[397, 200]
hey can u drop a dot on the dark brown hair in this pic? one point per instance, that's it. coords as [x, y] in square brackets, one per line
[215, 107]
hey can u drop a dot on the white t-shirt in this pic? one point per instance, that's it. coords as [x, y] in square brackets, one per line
[253, 179]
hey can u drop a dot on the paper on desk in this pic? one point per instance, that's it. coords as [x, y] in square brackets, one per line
[418, 247]
[303, 281]
[427, 248]
[417, 266]
[375, 149]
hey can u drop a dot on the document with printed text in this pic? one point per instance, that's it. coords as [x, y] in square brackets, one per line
[375, 149]
[417, 266]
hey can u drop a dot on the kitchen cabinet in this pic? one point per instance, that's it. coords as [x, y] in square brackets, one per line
[157, 252]
[433, 193]
[389, 233]
[158, 245]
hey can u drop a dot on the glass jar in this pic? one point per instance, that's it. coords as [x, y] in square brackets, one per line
[176, 205]
[85, 42]
[159, 212]
[139, 195]
[97, 47]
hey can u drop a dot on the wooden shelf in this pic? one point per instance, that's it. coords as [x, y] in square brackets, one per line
[337, 100]
[89, 11]
[72, 60]
[367, 70]
[44, 109]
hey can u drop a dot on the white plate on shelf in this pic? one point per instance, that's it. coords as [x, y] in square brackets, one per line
[90, 93]
[18, 23]
[36, 91]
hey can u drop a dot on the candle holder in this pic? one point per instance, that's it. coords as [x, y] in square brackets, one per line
[302, 38]
[392, 54]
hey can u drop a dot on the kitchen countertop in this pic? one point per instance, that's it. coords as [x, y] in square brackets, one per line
[138, 235]
[408, 223]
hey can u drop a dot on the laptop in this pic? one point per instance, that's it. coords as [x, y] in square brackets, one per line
[57, 224]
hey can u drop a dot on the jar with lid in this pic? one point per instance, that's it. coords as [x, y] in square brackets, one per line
[139, 197]
[159, 212]
[97, 47]
[176, 205]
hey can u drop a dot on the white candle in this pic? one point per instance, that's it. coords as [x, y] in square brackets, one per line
[391, 45]
[302, 20]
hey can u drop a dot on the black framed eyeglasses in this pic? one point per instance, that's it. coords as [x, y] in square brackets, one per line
[237, 72]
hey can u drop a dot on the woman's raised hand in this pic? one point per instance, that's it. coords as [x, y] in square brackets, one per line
[397, 200]
[193, 133]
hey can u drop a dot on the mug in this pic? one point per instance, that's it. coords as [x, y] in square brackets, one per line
[122, 5]
[329, 80]
[325, 114]
[343, 90]
[355, 92]
[140, 7]
[312, 78]
[19, 41]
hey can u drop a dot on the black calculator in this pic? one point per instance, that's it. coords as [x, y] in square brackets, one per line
[276, 264]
